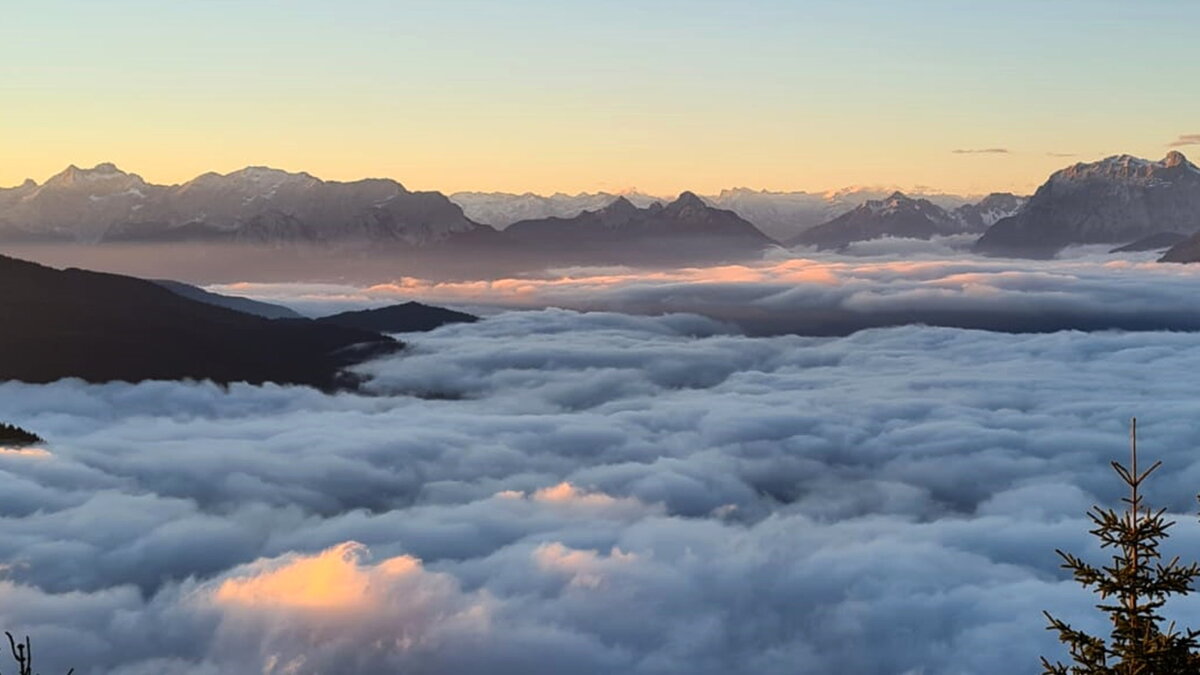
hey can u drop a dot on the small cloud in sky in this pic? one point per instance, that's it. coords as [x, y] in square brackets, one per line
[1185, 139]
[1062, 154]
[980, 151]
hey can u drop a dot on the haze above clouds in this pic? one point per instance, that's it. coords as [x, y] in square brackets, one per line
[881, 283]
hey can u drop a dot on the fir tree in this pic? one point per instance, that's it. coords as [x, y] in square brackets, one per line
[1133, 588]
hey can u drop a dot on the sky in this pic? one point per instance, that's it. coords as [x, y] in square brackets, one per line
[549, 96]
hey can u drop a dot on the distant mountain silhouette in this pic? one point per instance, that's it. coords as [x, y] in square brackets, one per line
[686, 230]
[904, 217]
[896, 216]
[501, 209]
[783, 215]
[1114, 201]
[244, 305]
[13, 435]
[256, 205]
[779, 215]
[409, 317]
[103, 327]
[285, 218]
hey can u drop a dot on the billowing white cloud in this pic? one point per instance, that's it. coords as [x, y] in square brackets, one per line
[550, 491]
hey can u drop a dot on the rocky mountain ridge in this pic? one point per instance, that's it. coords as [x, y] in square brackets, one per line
[686, 229]
[902, 216]
[255, 204]
[501, 209]
[1117, 200]
[780, 215]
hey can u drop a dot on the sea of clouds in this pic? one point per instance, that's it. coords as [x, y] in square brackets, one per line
[556, 491]
[550, 491]
[890, 284]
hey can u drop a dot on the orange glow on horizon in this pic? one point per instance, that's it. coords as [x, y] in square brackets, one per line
[531, 291]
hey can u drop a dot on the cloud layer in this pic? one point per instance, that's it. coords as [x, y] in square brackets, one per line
[549, 491]
[884, 282]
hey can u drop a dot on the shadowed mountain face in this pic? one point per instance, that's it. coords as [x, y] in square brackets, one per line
[896, 216]
[255, 205]
[1114, 201]
[686, 230]
[405, 318]
[103, 327]
[1185, 251]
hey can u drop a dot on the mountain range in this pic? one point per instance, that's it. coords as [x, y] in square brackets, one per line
[1122, 200]
[254, 205]
[686, 230]
[783, 215]
[276, 209]
[1116, 200]
[780, 215]
[901, 216]
[501, 209]
[270, 206]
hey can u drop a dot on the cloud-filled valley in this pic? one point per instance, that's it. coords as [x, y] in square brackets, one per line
[888, 282]
[554, 491]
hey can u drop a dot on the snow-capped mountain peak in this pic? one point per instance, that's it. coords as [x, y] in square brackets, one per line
[257, 203]
[1125, 168]
[1116, 200]
[106, 172]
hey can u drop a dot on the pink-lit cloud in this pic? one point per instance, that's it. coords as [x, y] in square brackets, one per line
[824, 295]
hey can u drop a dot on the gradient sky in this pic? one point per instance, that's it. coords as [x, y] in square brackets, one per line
[541, 95]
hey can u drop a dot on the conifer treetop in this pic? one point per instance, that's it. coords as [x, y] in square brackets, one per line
[1132, 588]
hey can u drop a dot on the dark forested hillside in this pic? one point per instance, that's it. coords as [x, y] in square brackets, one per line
[14, 435]
[73, 323]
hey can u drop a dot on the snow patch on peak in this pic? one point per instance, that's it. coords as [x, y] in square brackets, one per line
[1125, 168]
[1176, 158]
[269, 177]
[104, 171]
[131, 192]
[895, 202]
